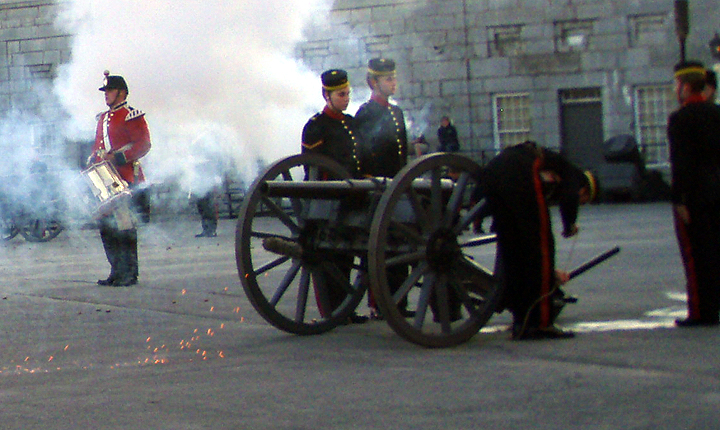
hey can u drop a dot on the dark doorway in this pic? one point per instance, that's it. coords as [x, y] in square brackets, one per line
[581, 125]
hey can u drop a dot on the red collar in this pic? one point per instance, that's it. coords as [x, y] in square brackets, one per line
[694, 98]
[333, 113]
[382, 101]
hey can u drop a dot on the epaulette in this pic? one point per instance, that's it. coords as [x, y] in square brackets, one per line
[98, 116]
[133, 113]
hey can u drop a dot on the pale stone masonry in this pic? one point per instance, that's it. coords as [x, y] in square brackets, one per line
[462, 58]
[455, 56]
[31, 49]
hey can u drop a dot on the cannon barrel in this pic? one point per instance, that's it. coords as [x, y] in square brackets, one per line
[336, 189]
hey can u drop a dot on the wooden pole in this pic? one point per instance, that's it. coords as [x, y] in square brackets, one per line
[682, 25]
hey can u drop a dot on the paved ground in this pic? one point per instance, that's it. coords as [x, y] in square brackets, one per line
[185, 350]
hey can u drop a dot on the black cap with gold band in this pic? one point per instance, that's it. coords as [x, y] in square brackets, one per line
[334, 79]
[690, 68]
[381, 66]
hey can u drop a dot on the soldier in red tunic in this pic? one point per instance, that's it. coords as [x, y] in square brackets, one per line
[122, 138]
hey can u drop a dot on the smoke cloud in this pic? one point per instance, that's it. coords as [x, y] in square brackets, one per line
[216, 79]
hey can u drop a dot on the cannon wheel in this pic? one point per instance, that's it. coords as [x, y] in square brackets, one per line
[8, 229]
[285, 283]
[425, 234]
[39, 230]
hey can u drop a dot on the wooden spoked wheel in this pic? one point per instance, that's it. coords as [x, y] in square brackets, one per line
[288, 269]
[426, 268]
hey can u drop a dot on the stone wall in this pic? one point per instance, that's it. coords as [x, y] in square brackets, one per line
[31, 49]
[454, 55]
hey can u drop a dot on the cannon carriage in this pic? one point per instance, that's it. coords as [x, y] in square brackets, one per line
[305, 226]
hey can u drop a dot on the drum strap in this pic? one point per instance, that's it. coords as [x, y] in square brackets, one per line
[106, 138]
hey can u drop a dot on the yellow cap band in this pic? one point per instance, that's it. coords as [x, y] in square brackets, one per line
[593, 184]
[690, 70]
[337, 87]
[376, 73]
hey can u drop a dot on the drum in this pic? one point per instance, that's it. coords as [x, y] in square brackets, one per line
[107, 187]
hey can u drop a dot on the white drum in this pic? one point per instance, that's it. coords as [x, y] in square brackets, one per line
[107, 187]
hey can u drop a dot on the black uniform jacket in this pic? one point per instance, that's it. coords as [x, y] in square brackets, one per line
[511, 176]
[334, 135]
[694, 134]
[383, 136]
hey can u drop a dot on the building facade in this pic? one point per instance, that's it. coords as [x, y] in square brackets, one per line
[31, 50]
[569, 74]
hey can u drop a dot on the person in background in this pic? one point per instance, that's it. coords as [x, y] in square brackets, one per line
[208, 210]
[447, 136]
[122, 137]
[693, 133]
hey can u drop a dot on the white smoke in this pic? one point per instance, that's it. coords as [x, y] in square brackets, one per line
[216, 79]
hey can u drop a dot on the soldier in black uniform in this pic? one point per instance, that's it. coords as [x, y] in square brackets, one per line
[381, 123]
[332, 133]
[694, 136]
[517, 184]
[384, 144]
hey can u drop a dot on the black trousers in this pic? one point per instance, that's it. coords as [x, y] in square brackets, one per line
[700, 249]
[121, 250]
[208, 212]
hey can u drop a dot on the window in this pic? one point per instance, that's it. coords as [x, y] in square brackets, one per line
[647, 30]
[572, 35]
[505, 41]
[653, 105]
[511, 119]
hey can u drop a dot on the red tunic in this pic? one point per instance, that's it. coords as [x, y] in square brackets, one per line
[123, 132]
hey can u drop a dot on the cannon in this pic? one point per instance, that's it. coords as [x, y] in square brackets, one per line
[306, 224]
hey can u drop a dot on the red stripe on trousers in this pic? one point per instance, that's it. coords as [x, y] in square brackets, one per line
[689, 264]
[544, 226]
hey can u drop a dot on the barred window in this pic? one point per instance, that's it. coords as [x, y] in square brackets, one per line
[653, 105]
[505, 41]
[648, 30]
[573, 35]
[511, 119]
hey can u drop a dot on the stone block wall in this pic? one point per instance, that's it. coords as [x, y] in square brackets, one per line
[31, 49]
[449, 61]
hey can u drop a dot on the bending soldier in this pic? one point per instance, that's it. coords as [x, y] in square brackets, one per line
[517, 184]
